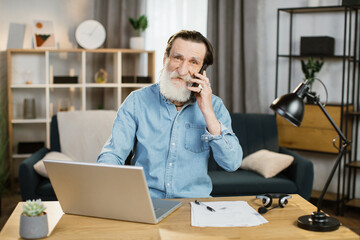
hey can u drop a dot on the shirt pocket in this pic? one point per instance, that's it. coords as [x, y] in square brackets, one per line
[193, 142]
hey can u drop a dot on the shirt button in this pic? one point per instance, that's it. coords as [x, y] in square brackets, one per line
[173, 144]
[168, 184]
[170, 164]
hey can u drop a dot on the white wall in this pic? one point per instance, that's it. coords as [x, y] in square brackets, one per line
[65, 14]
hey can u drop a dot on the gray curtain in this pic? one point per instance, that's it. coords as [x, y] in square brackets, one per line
[226, 32]
[114, 15]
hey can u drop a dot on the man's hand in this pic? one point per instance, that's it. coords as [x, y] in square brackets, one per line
[203, 94]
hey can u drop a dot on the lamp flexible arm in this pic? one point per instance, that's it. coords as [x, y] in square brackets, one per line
[342, 149]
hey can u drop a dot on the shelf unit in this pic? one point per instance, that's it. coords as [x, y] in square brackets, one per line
[31, 74]
[345, 60]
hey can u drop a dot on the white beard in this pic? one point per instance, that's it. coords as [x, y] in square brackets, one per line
[169, 90]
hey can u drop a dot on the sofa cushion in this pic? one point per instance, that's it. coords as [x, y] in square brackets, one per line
[242, 182]
[255, 132]
[39, 167]
[267, 163]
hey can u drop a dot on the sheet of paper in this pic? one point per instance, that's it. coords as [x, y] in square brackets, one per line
[227, 214]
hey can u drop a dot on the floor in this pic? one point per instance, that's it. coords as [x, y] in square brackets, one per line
[351, 218]
[8, 204]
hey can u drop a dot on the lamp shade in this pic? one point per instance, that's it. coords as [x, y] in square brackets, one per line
[291, 107]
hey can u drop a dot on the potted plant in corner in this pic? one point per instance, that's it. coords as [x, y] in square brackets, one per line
[139, 24]
[33, 220]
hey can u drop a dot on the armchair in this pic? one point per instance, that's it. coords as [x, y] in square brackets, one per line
[32, 185]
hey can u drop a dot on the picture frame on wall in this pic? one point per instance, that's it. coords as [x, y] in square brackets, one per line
[44, 35]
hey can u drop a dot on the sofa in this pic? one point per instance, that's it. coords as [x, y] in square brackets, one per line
[254, 131]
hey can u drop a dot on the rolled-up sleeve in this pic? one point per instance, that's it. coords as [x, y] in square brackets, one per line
[225, 147]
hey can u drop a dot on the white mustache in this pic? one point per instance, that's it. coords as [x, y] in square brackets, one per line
[175, 74]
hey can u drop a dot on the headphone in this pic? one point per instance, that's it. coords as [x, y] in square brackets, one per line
[267, 200]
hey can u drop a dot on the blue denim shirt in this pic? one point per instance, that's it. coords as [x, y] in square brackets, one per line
[172, 146]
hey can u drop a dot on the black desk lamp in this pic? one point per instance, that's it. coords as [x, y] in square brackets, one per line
[291, 107]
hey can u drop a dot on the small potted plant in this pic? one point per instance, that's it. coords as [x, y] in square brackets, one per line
[139, 24]
[33, 220]
[310, 68]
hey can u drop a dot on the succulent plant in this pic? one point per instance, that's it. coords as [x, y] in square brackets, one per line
[33, 208]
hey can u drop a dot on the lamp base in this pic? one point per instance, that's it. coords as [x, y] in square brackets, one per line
[319, 222]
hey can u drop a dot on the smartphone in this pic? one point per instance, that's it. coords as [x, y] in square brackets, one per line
[203, 68]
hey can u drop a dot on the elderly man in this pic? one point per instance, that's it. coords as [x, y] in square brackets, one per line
[173, 124]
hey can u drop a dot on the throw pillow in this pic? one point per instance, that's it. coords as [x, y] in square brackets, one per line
[39, 167]
[267, 163]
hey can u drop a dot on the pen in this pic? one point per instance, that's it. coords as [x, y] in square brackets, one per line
[207, 207]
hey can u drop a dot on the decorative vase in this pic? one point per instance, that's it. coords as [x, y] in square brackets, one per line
[137, 43]
[33, 227]
[101, 76]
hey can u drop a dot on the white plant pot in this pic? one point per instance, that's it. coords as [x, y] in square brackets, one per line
[137, 43]
[33, 227]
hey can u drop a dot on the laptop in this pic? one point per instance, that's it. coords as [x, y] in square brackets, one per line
[106, 191]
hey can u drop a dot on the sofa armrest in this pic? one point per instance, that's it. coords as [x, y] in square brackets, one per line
[301, 171]
[28, 177]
